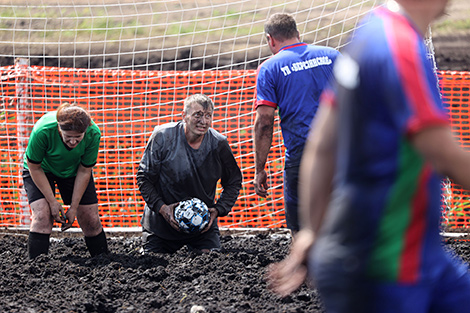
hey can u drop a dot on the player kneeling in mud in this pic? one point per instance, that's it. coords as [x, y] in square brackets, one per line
[62, 150]
[185, 160]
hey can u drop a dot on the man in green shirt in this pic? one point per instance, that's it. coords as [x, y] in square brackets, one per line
[62, 150]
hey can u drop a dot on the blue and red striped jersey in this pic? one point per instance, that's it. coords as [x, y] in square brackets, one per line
[386, 204]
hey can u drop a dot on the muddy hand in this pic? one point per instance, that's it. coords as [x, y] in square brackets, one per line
[70, 216]
[260, 183]
[57, 212]
[168, 213]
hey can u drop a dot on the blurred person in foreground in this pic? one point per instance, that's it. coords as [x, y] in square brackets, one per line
[62, 151]
[292, 81]
[371, 178]
[185, 160]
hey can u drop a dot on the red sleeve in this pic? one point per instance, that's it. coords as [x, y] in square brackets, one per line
[417, 87]
[265, 102]
[328, 98]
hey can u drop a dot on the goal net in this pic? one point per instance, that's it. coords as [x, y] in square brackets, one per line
[131, 63]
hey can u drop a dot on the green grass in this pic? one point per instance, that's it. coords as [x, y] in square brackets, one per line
[450, 26]
[70, 25]
[96, 23]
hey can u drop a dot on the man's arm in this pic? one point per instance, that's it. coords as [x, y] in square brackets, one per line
[148, 182]
[439, 147]
[147, 176]
[80, 185]
[315, 181]
[40, 180]
[231, 180]
[264, 124]
[317, 169]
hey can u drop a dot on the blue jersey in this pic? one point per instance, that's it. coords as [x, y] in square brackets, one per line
[293, 80]
[386, 205]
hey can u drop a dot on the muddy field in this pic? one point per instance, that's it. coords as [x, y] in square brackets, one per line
[68, 280]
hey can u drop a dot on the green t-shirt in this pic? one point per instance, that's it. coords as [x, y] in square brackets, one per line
[46, 147]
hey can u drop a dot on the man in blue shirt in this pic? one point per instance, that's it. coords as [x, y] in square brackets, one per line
[292, 81]
[371, 205]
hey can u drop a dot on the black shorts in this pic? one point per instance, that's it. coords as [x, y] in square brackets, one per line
[209, 240]
[65, 186]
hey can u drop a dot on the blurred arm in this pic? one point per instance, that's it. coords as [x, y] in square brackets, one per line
[439, 147]
[315, 179]
[317, 169]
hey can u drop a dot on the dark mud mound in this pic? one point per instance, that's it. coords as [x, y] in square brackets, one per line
[68, 280]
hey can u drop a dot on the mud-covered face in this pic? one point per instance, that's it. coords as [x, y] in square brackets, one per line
[71, 137]
[197, 120]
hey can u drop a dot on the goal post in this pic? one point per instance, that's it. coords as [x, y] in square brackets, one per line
[163, 35]
[132, 63]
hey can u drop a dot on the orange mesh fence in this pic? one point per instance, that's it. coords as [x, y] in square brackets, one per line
[455, 90]
[127, 105]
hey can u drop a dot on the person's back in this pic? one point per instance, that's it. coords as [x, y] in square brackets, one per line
[293, 80]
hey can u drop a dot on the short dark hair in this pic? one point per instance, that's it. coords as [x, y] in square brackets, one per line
[281, 26]
[70, 116]
[199, 98]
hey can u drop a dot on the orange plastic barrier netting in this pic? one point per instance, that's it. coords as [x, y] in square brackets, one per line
[455, 90]
[127, 105]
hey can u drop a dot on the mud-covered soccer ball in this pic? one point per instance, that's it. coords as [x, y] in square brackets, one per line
[192, 215]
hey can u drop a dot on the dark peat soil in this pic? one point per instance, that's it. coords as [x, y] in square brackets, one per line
[233, 280]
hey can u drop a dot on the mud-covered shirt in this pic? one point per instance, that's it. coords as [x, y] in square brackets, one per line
[47, 148]
[171, 171]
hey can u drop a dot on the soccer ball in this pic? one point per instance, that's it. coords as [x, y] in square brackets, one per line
[192, 215]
